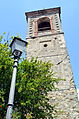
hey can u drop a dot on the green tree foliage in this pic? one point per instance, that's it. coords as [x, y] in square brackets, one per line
[5, 75]
[34, 81]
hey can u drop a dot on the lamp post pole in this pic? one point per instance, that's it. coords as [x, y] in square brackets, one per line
[17, 46]
[12, 90]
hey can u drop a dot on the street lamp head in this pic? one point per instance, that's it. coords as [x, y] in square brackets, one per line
[18, 46]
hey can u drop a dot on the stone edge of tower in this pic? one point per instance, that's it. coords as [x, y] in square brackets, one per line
[42, 12]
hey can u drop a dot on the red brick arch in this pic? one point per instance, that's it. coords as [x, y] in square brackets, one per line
[43, 19]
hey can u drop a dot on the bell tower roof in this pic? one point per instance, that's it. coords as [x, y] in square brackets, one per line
[43, 12]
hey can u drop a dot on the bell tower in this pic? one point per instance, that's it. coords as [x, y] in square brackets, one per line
[46, 42]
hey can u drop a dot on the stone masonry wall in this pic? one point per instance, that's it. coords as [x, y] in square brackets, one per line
[50, 46]
[66, 97]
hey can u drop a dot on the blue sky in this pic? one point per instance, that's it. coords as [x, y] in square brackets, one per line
[12, 21]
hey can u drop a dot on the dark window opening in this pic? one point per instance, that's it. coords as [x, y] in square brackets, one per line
[44, 26]
[55, 38]
[45, 45]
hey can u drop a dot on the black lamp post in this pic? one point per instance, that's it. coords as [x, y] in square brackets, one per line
[17, 46]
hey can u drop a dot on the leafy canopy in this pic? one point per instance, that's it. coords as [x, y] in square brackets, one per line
[5, 74]
[34, 81]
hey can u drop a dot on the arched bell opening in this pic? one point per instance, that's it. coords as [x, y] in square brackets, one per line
[44, 24]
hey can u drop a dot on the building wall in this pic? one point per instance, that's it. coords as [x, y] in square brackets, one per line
[49, 45]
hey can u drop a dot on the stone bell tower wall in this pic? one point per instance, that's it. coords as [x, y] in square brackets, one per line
[46, 41]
